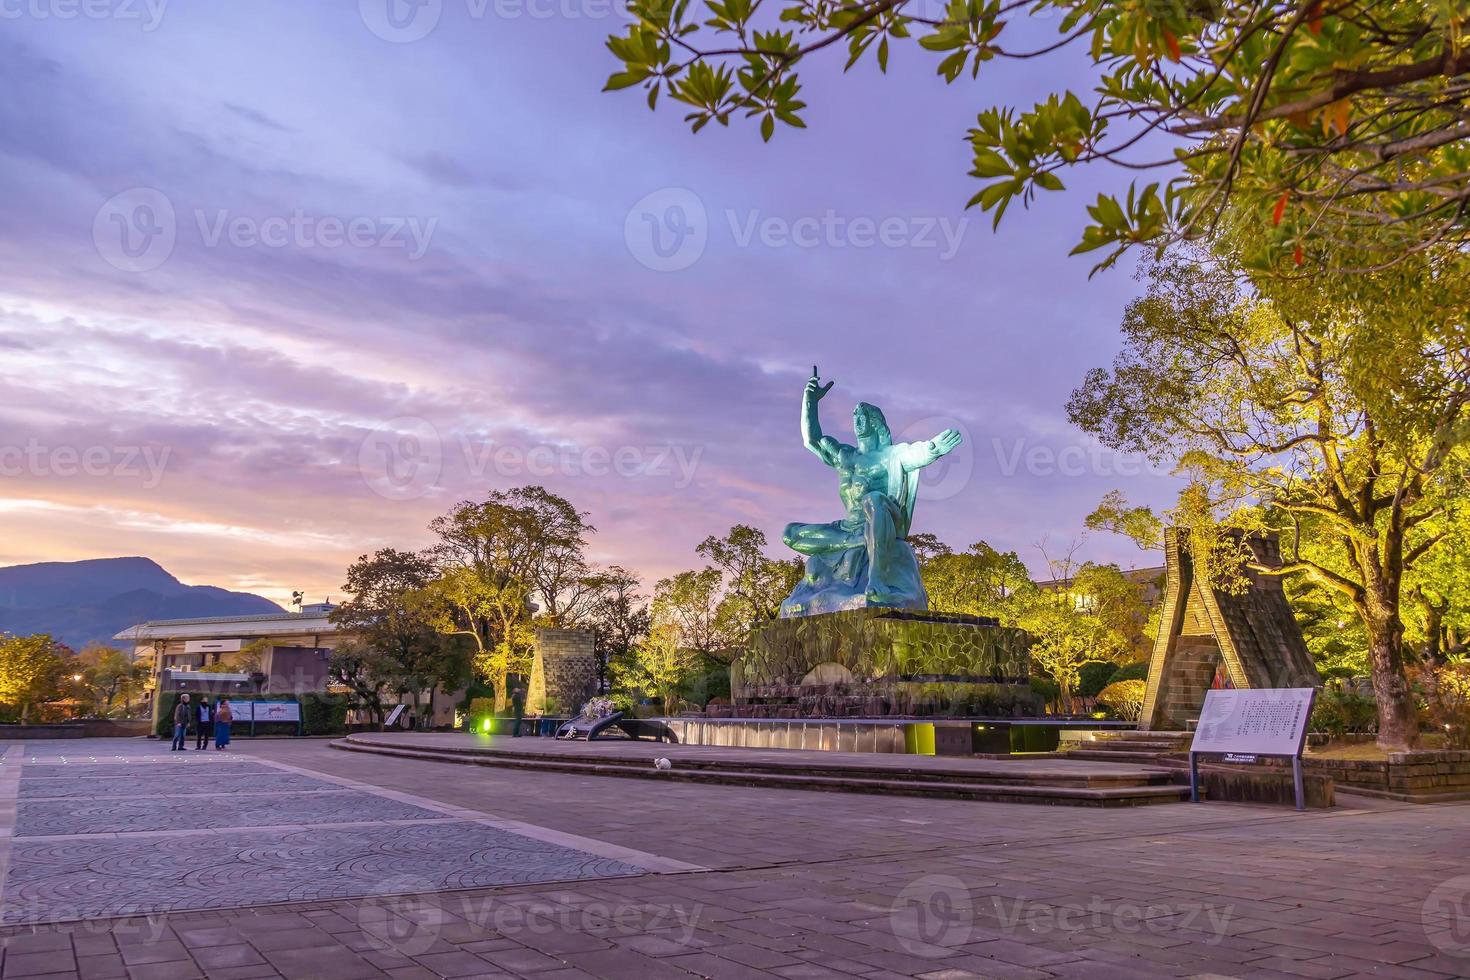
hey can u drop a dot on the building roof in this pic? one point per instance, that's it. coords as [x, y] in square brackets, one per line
[229, 627]
[1135, 575]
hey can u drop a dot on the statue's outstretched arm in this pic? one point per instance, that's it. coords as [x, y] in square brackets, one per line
[917, 455]
[826, 448]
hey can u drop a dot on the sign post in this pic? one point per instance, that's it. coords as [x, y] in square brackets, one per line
[1244, 724]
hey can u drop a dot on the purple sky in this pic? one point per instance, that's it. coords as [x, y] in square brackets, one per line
[392, 275]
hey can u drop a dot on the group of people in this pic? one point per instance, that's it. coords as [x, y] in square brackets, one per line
[209, 720]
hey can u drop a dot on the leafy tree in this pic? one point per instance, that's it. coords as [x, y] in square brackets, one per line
[657, 666]
[1343, 413]
[1139, 524]
[492, 614]
[385, 610]
[110, 674]
[365, 671]
[1340, 128]
[755, 584]
[31, 671]
[980, 580]
[619, 619]
[525, 534]
[696, 606]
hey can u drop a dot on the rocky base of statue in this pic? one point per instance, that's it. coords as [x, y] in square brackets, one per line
[874, 662]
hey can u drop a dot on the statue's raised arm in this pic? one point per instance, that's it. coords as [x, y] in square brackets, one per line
[826, 448]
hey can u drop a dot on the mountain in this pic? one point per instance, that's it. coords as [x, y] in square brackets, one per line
[80, 601]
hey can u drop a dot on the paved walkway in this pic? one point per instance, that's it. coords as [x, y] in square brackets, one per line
[796, 885]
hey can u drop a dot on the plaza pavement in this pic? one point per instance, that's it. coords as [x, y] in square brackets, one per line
[284, 858]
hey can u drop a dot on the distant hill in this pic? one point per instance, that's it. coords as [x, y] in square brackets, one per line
[80, 601]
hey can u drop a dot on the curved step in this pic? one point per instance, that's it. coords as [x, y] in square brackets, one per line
[1144, 790]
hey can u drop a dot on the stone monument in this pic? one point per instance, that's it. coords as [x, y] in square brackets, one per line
[563, 671]
[855, 636]
[1209, 637]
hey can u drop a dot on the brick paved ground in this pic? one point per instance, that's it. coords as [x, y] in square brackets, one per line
[810, 885]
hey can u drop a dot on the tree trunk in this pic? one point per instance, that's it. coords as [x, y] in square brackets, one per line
[1398, 721]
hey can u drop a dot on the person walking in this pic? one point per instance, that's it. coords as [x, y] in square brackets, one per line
[181, 723]
[222, 718]
[205, 724]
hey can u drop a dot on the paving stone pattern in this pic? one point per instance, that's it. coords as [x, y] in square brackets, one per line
[808, 886]
[88, 843]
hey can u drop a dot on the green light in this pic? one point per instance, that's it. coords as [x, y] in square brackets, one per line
[485, 726]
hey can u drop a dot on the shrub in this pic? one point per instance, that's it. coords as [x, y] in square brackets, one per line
[1447, 707]
[1340, 711]
[478, 710]
[1130, 672]
[1124, 698]
[1092, 678]
[323, 714]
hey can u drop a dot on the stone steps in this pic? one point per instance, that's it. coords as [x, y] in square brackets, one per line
[989, 784]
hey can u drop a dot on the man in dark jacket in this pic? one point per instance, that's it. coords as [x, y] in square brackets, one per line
[518, 706]
[205, 725]
[181, 723]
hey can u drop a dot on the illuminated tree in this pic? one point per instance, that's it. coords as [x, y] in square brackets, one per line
[1341, 127]
[31, 671]
[1328, 416]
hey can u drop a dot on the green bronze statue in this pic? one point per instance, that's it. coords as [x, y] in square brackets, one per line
[863, 559]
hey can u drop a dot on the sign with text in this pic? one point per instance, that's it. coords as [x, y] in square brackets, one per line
[1269, 721]
[266, 710]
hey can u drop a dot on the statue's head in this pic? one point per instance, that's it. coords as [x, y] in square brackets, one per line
[868, 421]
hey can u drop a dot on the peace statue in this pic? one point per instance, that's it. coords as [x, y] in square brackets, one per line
[863, 559]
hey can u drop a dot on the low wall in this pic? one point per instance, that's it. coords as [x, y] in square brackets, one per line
[99, 728]
[1417, 777]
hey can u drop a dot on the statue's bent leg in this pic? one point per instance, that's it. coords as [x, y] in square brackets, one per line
[892, 574]
[820, 539]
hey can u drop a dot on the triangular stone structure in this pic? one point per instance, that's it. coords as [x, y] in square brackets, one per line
[1250, 640]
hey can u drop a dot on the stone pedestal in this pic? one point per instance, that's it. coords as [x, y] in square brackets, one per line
[875, 662]
[563, 670]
